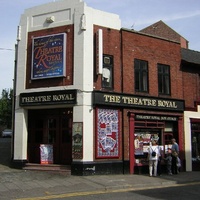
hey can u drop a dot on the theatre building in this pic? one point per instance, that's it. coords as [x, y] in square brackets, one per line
[90, 96]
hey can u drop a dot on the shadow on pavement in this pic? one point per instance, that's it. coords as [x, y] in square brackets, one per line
[5, 152]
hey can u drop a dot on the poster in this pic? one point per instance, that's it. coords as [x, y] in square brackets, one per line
[107, 133]
[77, 140]
[46, 154]
[48, 56]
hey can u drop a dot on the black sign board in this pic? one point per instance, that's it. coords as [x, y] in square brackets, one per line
[48, 98]
[133, 101]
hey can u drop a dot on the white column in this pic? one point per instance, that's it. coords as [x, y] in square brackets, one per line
[20, 137]
[84, 113]
[188, 148]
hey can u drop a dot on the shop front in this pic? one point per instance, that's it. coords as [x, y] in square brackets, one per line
[49, 126]
[148, 127]
[144, 119]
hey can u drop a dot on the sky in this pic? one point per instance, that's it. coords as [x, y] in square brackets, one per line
[181, 15]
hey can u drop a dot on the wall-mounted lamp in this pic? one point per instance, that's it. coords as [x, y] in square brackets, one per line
[50, 19]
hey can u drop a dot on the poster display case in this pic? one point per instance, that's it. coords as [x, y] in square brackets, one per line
[107, 136]
[142, 141]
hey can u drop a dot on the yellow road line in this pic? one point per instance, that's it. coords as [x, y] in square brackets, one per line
[60, 196]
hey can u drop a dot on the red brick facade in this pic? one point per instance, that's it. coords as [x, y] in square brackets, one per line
[154, 51]
[127, 45]
[191, 87]
[160, 29]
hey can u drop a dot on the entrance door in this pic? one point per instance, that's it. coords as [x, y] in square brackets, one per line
[50, 127]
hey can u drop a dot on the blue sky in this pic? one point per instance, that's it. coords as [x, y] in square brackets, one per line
[181, 15]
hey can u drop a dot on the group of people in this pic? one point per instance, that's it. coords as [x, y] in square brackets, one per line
[172, 159]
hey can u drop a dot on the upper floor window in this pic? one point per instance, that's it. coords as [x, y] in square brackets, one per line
[107, 73]
[141, 75]
[164, 79]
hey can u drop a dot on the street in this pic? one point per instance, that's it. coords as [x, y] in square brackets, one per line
[21, 184]
[5, 152]
[182, 192]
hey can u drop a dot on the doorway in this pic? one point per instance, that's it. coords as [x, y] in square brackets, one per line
[54, 127]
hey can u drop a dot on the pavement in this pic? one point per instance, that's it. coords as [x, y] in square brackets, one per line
[31, 185]
[35, 185]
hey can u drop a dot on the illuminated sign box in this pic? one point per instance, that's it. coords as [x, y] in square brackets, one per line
[49, 56]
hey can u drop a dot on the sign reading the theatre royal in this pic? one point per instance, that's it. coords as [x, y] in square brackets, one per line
[48, 56]
[48, 98]
[133, 101]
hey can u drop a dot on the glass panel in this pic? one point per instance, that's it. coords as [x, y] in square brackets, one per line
[39, 123]
[52, 130]
[141, 76]
[52, 123]
[144, 81]
[196, 146]
[195, 127]
[166, 84]
[66, 136]
[52, 136]
[66, 129]
[137, 80]
[64, 123]
[163, 79]
[39, 136]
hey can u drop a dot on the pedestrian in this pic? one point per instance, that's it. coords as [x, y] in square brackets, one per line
[175, 154]
[159, 166]
[153, 155]
[168, 159]
[178, 164]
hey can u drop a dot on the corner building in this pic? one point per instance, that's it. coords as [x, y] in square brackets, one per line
[91, 95]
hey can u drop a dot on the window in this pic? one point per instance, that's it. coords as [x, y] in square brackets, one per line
[195, 141]
[107, 74]
[163, 79]
[141, 75]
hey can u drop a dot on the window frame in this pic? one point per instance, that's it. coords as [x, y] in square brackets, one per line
[141, 75]
[164, 80]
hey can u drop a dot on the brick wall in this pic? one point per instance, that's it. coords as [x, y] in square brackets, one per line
[191, 86]
[140, 46]
[153, 51]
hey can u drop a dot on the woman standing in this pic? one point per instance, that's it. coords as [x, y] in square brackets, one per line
[153, 158]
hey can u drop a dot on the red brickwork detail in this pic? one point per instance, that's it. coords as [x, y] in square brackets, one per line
[191, 87]
[154, 51]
